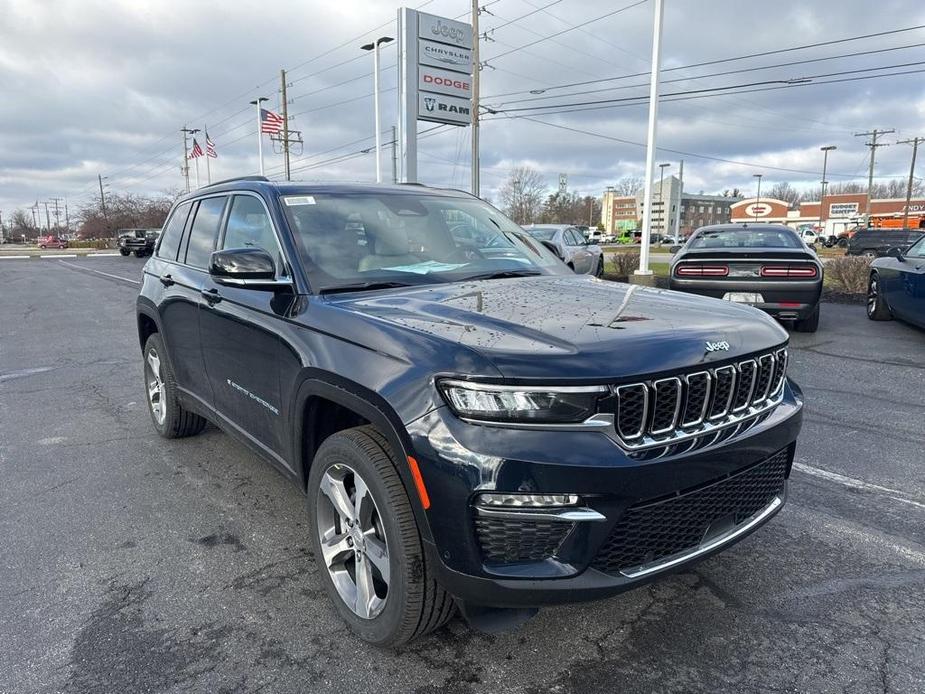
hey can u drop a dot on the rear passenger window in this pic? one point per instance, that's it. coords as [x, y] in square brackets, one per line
[250, 227]
[205, 229]
[173, 232]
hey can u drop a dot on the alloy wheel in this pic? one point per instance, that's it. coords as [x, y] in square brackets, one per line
[353, 542]
[872, 292]
[154, 384]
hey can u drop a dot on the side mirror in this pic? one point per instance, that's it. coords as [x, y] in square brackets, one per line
[674, 249]
[552, 247]
[244, 267]
[897, 253]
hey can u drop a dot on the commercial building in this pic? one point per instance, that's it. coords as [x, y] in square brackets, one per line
[621, 213]
[837, 213]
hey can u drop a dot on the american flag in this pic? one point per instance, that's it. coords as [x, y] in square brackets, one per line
[196, 151]
[210, 147]
[270, 122]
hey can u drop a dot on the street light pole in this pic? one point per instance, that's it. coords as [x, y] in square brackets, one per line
[825, 160]
[374, 47]
[758, 196]
[256, 102]
[650, 141]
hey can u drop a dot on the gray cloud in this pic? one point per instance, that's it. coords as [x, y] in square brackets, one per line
[104, 86]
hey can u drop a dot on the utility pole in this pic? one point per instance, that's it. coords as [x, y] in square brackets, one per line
[394, 154]
[825, 161]
[873, 144]
[102, 196]
[915, 148]
[67, 219]
[476, 68]
[282, 78]
[47, 218]
[35, 221]
[677, 212]
[57, 214]
[758, 196]
[185, 168]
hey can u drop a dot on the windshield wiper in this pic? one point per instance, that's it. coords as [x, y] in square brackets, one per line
[501, 274]
[364, 286]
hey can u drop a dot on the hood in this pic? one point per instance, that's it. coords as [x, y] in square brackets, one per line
[573, 327]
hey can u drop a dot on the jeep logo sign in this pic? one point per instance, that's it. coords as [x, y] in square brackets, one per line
[432, 79]
[444, 30]
[444, 109]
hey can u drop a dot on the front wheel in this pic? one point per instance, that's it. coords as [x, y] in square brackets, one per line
[869, 254]
[367, 542]
[842, 243]
[599, 271]
[124, 252]
[877, 308]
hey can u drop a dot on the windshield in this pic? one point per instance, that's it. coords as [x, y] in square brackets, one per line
[542, 233]
[350, 240]
[746, 238]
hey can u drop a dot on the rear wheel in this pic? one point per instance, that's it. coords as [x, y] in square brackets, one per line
[124, 252]
[809, 324]
[877, 308]
[842, 243]
[170, 418]
[366, 539]
[869, 253]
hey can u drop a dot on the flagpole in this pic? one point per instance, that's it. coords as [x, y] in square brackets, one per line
[257, 102]
[197, 173]
[205, 129]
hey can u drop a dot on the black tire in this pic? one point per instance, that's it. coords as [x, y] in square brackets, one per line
[138, 254]
[842, 243]
[810, 324]
[42, 247]
[415, 604]
[124, 252]
[599, 272]
[877, 308]
[177, 422]
[869, 253]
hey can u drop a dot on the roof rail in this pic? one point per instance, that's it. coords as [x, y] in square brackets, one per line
[238, 178]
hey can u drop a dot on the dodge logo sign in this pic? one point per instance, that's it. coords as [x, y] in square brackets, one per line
[722, 346]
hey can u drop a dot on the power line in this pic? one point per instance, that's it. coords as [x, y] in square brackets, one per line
[725, 60]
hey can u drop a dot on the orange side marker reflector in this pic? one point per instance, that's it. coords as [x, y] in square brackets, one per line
[419, 482]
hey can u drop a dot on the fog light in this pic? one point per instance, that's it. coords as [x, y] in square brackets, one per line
[518, 500]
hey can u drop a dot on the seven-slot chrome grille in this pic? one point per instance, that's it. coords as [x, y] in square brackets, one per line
[667, 410]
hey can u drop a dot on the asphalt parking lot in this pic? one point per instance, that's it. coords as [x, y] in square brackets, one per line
[133, 564]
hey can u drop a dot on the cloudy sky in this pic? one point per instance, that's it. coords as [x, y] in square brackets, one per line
[103, 86]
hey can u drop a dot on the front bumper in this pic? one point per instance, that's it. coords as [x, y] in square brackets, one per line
[459, 460]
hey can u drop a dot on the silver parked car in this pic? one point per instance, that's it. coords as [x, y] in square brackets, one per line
[567, 242]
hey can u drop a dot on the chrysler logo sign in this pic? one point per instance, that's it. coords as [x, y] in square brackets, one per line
[449, 57]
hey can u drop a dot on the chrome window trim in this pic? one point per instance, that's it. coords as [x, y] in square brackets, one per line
[751, 387]
[645, 411]
[732, 391]
[706, 397]
[677, 404]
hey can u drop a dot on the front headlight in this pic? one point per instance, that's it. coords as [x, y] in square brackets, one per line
[526, 404]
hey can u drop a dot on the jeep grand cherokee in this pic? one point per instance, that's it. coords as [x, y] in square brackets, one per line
[473, 424]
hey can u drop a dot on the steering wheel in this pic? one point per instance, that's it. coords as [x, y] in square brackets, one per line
[467, 254]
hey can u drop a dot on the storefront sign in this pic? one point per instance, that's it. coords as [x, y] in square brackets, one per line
[444, 30]
[432, 79]
[758, 209]
[843, 209]
[440, 108]
[448, 57]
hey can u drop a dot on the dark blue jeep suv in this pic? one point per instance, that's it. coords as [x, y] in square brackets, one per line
[474, 425]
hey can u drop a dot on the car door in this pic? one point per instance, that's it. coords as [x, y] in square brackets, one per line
[239, 327]
[907, 295]
[180, 298]
[581, 256]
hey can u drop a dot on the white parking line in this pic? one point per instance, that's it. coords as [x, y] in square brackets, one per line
[59, 255]
[99, 272]
[102, 255]
[853, 483]
[13, 257]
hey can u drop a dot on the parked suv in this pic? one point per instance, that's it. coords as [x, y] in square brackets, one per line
[473, 424]
[141, 242]
[874, 242]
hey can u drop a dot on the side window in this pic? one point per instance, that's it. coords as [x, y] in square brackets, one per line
[250, 227]
[173, 232]
[918, 249]
[571, 238]
[205, 229]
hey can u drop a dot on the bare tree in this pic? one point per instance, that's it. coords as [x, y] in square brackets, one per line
[522, 195]
[784, 191]
[629, 185]
[124, 210]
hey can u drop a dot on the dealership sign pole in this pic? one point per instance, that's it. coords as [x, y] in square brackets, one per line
[434, 79]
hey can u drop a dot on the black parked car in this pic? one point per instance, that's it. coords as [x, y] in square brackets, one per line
[897, 285]
[141, 242]
[471, 429]
[763, 265]
[874, 242]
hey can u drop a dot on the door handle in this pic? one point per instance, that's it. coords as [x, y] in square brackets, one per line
[211, 296]
[166, 280]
